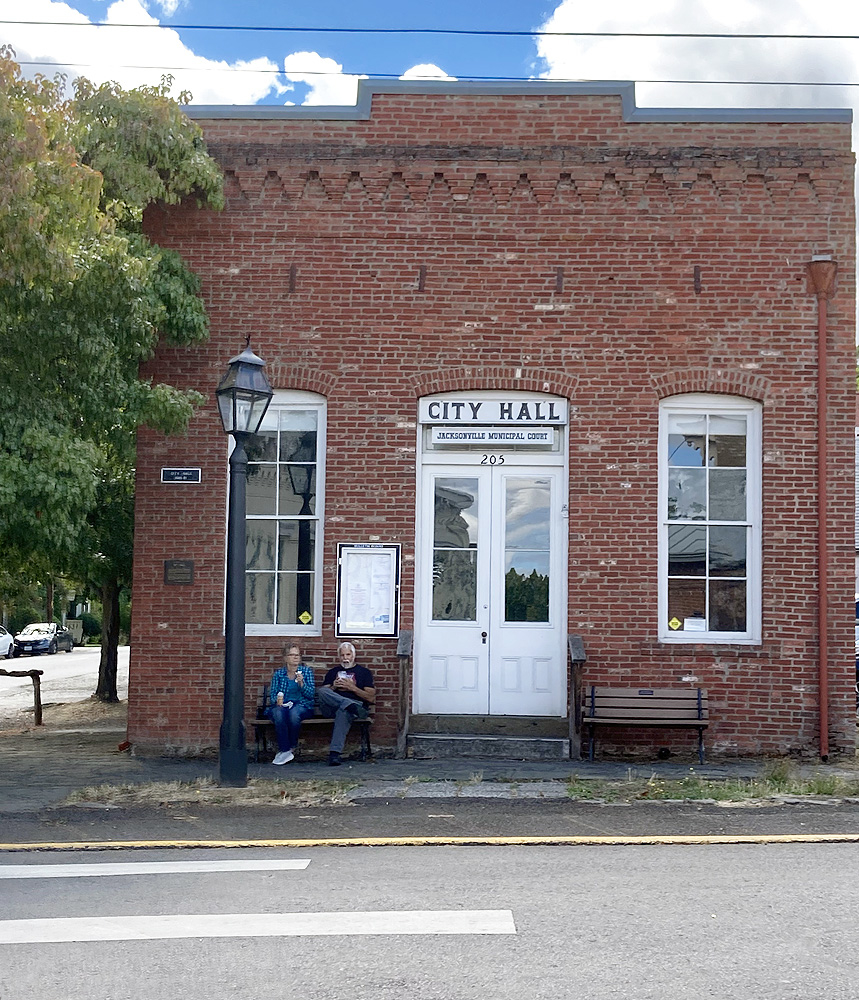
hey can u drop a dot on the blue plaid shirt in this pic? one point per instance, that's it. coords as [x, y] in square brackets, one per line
[291, 691]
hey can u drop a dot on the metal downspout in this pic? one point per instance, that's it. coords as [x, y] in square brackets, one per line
[821, 279]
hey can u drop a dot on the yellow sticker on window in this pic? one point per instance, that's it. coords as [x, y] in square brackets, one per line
[306, 618]
[675, 623]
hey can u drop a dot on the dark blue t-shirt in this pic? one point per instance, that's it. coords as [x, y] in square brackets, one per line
[361, 676]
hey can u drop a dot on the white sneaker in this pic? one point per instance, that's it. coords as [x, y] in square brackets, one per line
[284, 757]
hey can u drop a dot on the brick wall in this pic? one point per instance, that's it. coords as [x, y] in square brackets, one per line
[455, 241]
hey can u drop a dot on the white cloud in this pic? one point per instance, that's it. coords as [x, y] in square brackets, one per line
[426, 71]
[167, 7]
[779, 60]
[106, 53]
[327, 82]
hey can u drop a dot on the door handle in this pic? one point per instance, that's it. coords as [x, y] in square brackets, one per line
[483, 637]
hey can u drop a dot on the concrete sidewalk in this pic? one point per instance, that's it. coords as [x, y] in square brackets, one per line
[41, 766]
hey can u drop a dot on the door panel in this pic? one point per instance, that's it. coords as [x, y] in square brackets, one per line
[526, 640]
[455, 563]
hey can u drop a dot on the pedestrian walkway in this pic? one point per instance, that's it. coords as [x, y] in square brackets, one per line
[41, 767]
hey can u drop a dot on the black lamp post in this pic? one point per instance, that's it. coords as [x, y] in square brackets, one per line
[243, 397]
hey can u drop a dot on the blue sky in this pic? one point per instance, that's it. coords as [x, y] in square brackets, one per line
[248, 67]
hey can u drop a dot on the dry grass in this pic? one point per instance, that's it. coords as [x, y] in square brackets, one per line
[779, 779]
[87, 714]
[205, 791]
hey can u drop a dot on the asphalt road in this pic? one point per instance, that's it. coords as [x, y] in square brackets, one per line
[650, 923]
[67, 677]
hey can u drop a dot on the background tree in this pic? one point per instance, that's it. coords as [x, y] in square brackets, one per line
[84, 299]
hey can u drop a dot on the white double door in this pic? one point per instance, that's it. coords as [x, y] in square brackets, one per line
[491, 591]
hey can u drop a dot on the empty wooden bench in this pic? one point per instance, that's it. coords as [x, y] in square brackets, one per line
[263, 726]
[658, 708]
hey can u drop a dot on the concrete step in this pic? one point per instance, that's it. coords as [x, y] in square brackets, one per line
[490, 725]
[426, 746]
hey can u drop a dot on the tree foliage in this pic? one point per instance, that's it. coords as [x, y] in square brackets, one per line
[84, 299]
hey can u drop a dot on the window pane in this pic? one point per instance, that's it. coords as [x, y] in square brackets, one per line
[295, 598]
[526, 587]
[526, 524]
[259, 544]
[262, 447]
[727, 551]
[687, 499]
[296, 545]
[727, 450]
[454, 585]
[298, 436]
[728, 495]
[728, 606]
[297, 489]
[687, 605]
[259, 598]
[686, 437]
[262, 486]
[455, 517]
[687, 550]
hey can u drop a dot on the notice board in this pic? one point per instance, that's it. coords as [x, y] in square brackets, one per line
[368, 589]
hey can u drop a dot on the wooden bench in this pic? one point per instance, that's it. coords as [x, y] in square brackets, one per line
[659, 708]
[264, 726]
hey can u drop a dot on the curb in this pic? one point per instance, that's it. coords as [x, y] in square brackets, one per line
[560, 841]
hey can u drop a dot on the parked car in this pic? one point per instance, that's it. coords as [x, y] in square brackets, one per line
[7, 643]
[43, 637]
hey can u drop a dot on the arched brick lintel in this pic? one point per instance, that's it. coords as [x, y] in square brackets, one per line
[505, 378]
[716, 380]
[286, 376]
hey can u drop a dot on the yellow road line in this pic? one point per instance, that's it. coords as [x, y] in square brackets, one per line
[620, 840]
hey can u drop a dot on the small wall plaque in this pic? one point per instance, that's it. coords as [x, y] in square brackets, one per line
[178, 572]
[180, 476]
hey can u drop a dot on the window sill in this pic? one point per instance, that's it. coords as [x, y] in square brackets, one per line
[282, 630]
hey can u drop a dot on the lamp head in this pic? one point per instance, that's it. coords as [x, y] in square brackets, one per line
[243, 394]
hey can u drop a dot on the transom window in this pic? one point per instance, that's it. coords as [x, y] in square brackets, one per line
[710, 471]
[284, 517]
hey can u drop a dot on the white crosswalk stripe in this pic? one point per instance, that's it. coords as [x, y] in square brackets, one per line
[147, 868]
[211, 925]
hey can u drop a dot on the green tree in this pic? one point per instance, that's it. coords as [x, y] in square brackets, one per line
[84, 299]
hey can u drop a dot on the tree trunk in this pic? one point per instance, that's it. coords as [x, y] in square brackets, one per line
[49, 600]
[106, 690]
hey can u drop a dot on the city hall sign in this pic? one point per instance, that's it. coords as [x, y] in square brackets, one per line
[500, 411]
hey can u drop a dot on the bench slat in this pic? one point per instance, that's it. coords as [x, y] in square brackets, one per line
[645, 692]
[646, 705]
[650, 722]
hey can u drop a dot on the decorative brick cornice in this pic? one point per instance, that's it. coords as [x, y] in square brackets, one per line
[722, 380]
[503, 377]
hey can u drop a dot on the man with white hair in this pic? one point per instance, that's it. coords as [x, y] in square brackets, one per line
[344, 695]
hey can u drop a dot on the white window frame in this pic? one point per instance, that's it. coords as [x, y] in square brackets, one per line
[299, 400]
[717, 405]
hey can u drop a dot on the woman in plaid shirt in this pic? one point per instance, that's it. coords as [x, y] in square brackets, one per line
[292, 695]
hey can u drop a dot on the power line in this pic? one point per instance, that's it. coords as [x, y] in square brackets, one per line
[439, 31]
[441, 79]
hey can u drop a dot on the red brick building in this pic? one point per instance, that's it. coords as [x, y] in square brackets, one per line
[557, 359]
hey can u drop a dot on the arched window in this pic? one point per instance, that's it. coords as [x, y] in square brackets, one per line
[285, 504]
[710, 519]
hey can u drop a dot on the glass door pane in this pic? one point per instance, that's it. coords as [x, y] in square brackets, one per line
[454, 571]
[527, 520]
